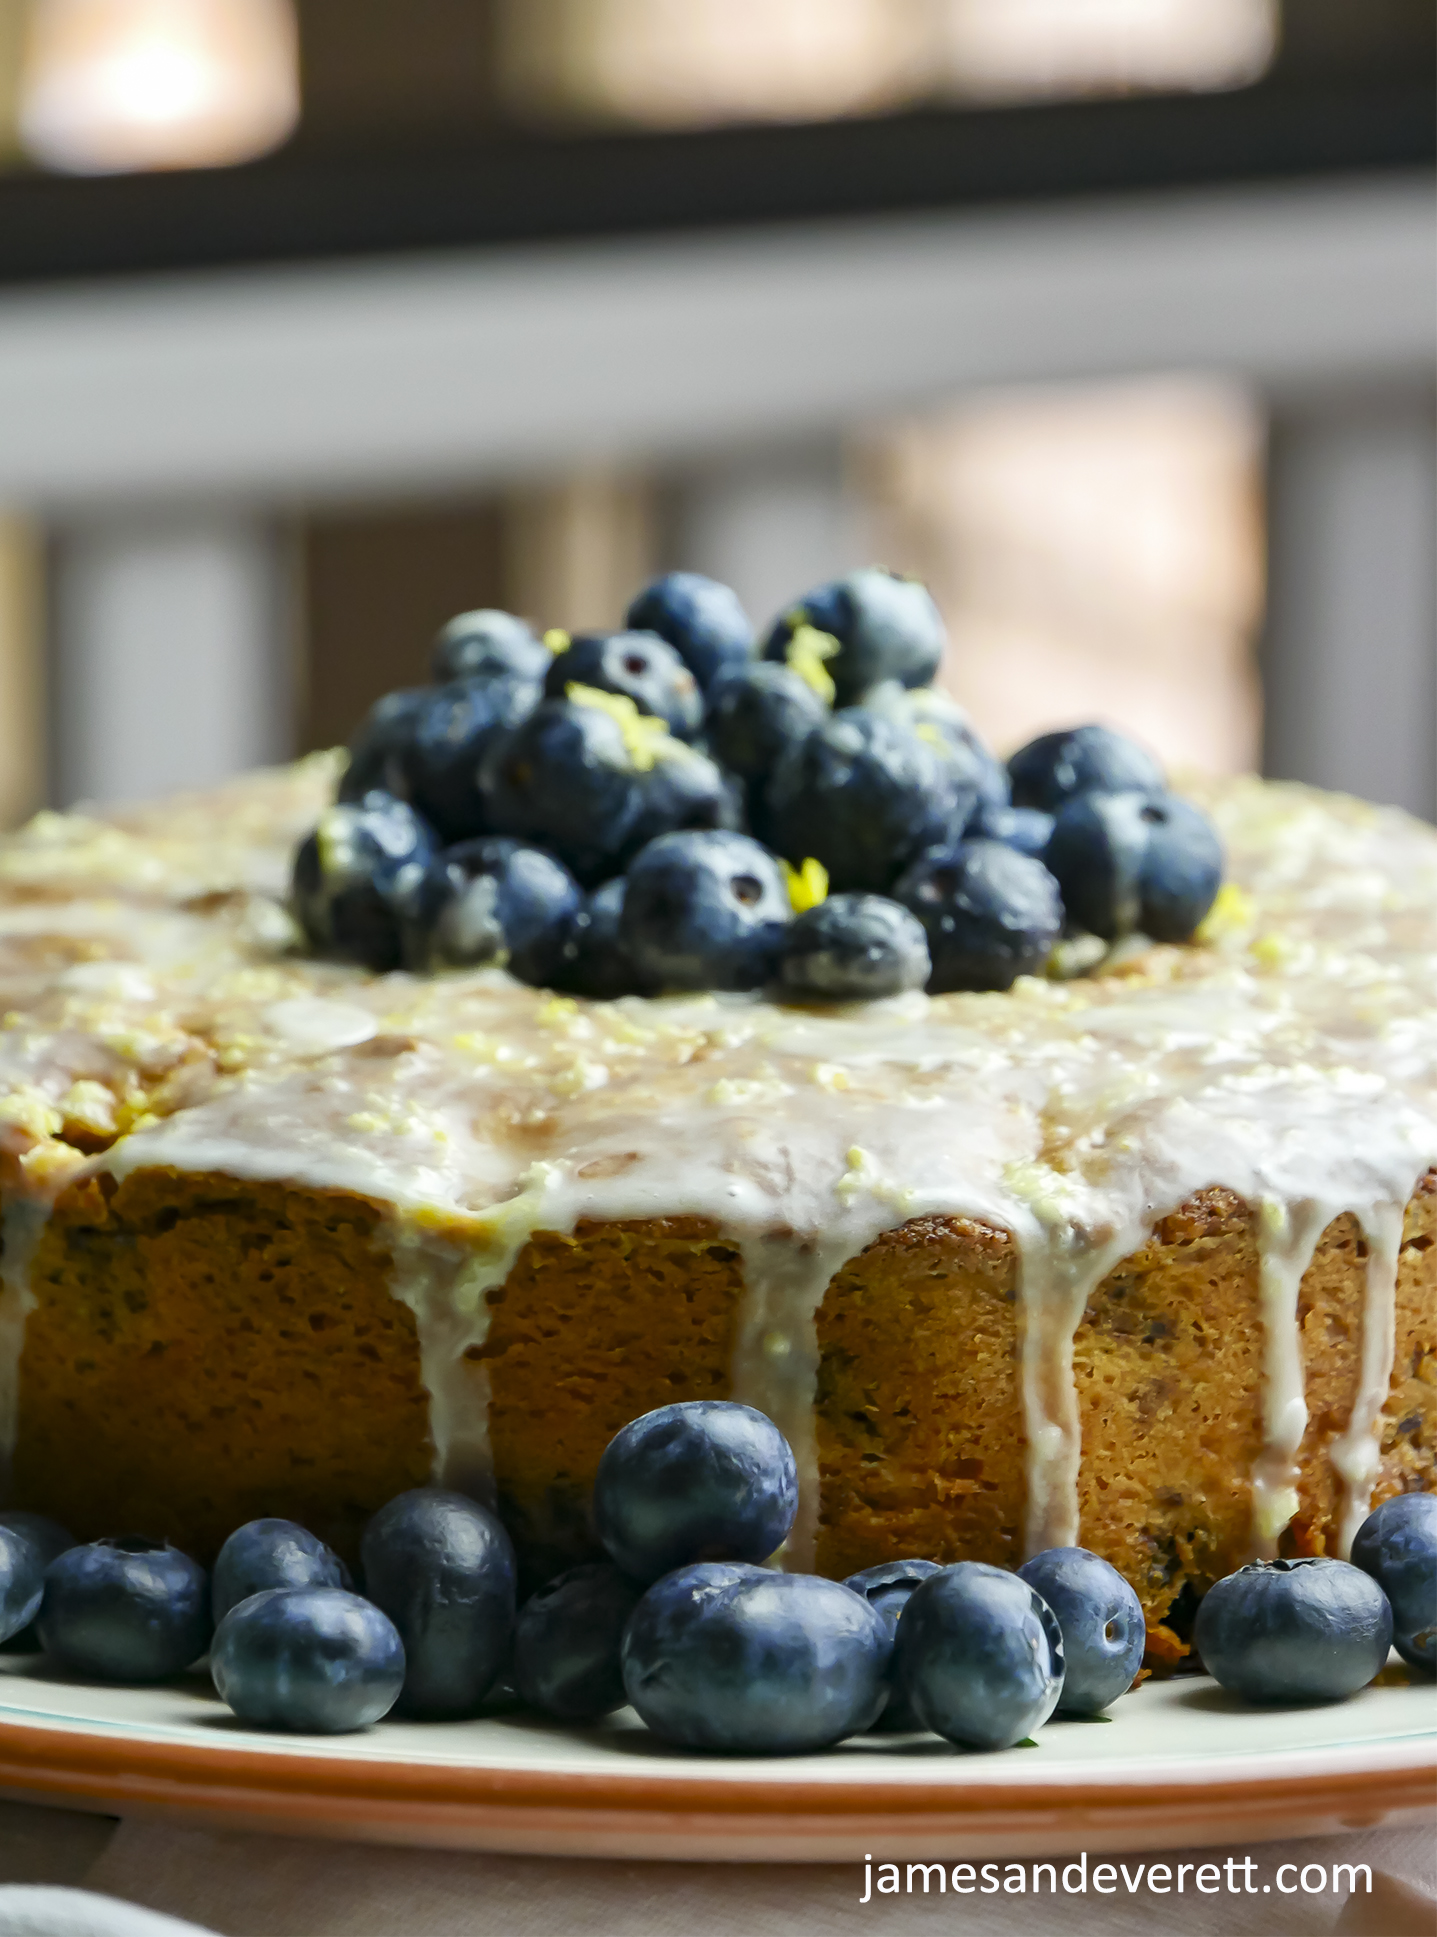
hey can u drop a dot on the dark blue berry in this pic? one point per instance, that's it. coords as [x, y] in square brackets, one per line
[271, 1553]
[567, 1640]
[443, 751]
[704, 1479]
[376, 752]
[886, 1588]
[488, 645]
[990, 913]
[700, 618]
[941, 721]
[853, 948]
[1056, 767]
[1294, 1631]
[1102, 1624]
[1397, 1546]
[345, 874]
[864, 795]
[755, 714]
[724, 1656]
[22, 1579]
[43, 1533]
[317, 1660]
[126, 1610]
[594, 961]
[1135, 862]
[492, 900]
[566, 779]
[637, 665]
[442, 1568]
[1027, 829]
[704, 911]
[980, 1656]
[883, 626]
[683, 790]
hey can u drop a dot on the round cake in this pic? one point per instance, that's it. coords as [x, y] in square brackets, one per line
[1146, 1259]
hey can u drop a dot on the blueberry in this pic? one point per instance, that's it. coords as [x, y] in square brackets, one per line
[756, 714]
[442, 1568]
[863, 795]
[22, 1579]
[1102, 1624]
[492, 900]
[887, 1588]
[488, 645]
[980, 1656]
[704, 1479]
[704, 911]
[944, 725]
[718, 1656]
[990, 913]
[1026, 829]
[1397, 1546]
[1294, 1631]
[127, 1610]
[442, 753]
[878, 627]
[1129, 862]
[345, 874]
[1057, 767]
[567, 1641]
[594, 961]
[271, 1553]
[683, 790]
[566, 779]
[700, 618]
[314, 1659]
[853, 948]
[43, 1533]
[377, 749]
[637, 665]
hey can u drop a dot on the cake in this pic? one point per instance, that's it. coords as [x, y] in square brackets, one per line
[1146, 1259]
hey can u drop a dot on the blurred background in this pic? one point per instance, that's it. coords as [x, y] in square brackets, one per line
[321, 320]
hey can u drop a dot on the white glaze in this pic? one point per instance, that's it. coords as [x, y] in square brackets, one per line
[1357, 1455]
[1294, 1062]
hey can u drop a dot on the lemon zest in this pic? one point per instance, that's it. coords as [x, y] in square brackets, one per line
[645, 738]
[557, 640]
[806, 652]
[807, 886]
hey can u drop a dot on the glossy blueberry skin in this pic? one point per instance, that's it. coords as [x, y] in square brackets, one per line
[1027, 829]
[700, 618]
[1102, 1624]
[704, 911]
[22, 1581]
[126, 1610]
[990, 913]
[853, 948]
[942, 723]
[683, 791]
[442, 1568]
[376, 751]
[887, 1589]
[491, 900]
[271, 1553]
[443, 750]
[639, 665]
[567, 1641]
[887, 628]
[756, 713]
[980, 1656]
[864, 795]
[345, 875]
[594, 961]
[488, 644]
[317, 1660]
[725, 1656]
[1135, 862]
[1057, 767]
[703, 1479]
[1397, 1545]
[1294, 1631]
[565, 780]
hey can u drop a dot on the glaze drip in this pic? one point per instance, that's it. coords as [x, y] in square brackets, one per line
[1357, 1455]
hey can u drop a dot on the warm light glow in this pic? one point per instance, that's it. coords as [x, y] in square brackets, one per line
[111, 85]
[1020, 49]
[1098, 554]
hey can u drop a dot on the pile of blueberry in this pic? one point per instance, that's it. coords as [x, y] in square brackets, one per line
[713, 1649]
[674, 807]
